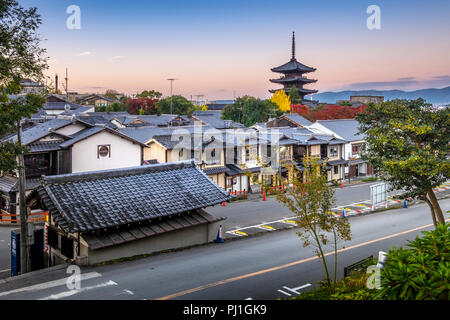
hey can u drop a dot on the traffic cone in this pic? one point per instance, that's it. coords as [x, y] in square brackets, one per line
[219, 235]
[343, 213]
[224, 204]
[405, 204]
[342, 185]
[264, 196]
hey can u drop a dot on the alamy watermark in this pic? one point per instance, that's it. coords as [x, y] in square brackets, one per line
[374, 20]
[73, 22]
[74, 281]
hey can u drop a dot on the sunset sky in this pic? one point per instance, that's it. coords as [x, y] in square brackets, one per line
[226, 48]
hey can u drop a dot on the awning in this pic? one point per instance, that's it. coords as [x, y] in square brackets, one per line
[215, 170]
[337, 162]
[355, 162]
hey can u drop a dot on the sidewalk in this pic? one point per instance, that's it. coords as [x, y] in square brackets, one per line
[346, 211]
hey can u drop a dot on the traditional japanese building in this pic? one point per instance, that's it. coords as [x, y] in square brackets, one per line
[293, 75]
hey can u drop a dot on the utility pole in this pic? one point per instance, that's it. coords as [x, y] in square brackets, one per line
[171, 93]
[24, 248]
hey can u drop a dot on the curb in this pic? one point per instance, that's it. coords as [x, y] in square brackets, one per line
[34, 273]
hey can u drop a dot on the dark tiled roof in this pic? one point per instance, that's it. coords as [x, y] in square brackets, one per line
[112, 198]
[346, 128]
[60, 106]
[337, 162]
[39, 131]
[81, 135]
[215, 170]
[11, 184]
[44, 146]
[293, 66]
[298, 119]
[7, 183]
[99, 241]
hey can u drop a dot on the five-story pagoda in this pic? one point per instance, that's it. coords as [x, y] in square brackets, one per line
[293, 72]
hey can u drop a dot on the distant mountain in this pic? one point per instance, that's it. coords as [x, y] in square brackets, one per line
[434, 96]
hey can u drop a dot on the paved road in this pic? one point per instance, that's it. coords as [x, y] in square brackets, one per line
[266, 267]
[247, 213]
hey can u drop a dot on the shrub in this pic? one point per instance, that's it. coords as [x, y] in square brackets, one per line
[420, 272]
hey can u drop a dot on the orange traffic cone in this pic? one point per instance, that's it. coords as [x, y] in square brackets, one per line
[342, 185]
[224, 204]
[264, 196]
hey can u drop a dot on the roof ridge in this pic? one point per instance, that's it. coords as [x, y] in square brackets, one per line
[115, 173]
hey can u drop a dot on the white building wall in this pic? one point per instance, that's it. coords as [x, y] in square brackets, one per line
[124, 153]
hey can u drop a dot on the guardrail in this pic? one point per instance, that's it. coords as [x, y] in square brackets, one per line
[357, 266]
[43, 217]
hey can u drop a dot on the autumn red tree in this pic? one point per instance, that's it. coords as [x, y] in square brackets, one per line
[133, 106]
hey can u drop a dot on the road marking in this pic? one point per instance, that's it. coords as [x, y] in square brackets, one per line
[295, 290]
[50, 284]
[284, 266]
[360, 205]
[6, 270]
[285, 293]
[240, 233]
[129, 292]
[266, 227]
[290, 221]
[69, 293]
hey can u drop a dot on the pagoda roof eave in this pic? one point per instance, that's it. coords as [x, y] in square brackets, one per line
[301, 90]
[293, 66]
[293, 80]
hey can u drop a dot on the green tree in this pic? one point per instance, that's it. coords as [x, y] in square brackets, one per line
[111, 94]
[311, 200]
[249, 110]
[20, 57]
[294, 95]
[116, 107]
[420, 272]
[408, 145]
[152, 94]
[178, 104]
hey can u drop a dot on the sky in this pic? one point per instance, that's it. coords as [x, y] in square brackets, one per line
[225, 49]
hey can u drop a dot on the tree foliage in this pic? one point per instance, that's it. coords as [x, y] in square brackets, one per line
[420, 272]
[281, 99]
[311, 200]
[20, 57]
[294, 95]
[249, 110]
[151, 94]
[176, 105]
[147, 105]
[408, 145]
[112, 94]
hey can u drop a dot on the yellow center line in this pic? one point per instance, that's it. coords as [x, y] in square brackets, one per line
[267, 227]
[240, 232]
[284, 266]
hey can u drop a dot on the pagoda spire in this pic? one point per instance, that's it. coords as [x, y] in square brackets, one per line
[293, 45]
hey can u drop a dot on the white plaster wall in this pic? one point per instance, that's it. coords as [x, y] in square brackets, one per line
[124, 153]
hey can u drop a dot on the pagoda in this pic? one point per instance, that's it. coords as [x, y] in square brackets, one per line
[293, 72]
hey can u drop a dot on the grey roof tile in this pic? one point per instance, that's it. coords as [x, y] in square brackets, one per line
[346, 128]
[112, 198]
